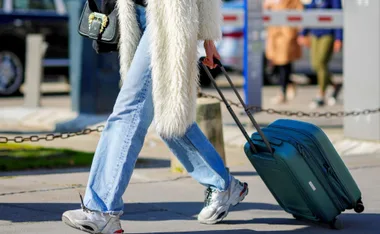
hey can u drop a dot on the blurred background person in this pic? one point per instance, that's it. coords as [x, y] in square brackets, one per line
[282, 48]
[323, 43]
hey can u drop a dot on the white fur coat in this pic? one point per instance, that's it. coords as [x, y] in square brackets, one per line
[174, 26]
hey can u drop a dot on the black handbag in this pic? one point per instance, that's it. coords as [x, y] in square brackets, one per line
[102, 27]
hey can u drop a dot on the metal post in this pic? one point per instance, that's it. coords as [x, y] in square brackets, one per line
[361, 67]
[74, 8]
[94, 77]
[253, 52]
[35, 51]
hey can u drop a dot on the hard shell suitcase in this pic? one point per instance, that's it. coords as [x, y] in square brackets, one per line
[300, 167]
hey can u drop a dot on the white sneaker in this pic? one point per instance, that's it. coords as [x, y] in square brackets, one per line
[92, 221]
[331, 101]
[218, 203]
[291, 92]
[317, 103]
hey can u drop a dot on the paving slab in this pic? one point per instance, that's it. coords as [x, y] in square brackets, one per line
[169, 204]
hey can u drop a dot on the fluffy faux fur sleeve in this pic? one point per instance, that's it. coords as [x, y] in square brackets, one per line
[210, 19]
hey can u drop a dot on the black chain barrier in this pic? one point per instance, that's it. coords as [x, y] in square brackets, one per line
[50, 137]
[270, 111]
[300, 114]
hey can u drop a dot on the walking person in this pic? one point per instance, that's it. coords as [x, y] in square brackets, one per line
[282, 48]
[158, 59]
[324, 42]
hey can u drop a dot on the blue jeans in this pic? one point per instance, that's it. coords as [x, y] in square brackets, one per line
[124, 134]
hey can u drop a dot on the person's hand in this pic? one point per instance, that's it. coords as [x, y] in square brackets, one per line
[211, 53]
[337, 46]
[303, 41]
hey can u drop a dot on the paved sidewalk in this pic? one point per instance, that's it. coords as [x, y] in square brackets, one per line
[50, 118]
[158, 201]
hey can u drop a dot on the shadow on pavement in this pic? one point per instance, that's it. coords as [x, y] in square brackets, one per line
[165, 211]
[187, 210]
[156, 211]
[353, 224]
[244, 173]
[237, 231]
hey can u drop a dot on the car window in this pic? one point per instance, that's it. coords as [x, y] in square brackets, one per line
[33, 4]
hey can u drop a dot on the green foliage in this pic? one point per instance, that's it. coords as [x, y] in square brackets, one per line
[14, 157]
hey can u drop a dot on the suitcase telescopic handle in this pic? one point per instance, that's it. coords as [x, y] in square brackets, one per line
[242, 129]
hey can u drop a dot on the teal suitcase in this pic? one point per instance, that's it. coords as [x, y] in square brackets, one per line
[300, 167]
[305, 173]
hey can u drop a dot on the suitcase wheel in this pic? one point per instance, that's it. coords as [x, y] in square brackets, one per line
[336, 224]
[359, 207]
[297, 217]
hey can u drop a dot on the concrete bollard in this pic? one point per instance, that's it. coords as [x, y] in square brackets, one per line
[209, 120]
[35, 52]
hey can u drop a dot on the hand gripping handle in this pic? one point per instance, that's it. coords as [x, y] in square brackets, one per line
[249, 140]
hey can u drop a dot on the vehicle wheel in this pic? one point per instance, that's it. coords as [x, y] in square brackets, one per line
[359, 207]
[336, 224]
[204, 80]
[11, 72]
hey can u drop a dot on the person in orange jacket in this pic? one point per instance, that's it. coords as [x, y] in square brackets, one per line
[282, 48]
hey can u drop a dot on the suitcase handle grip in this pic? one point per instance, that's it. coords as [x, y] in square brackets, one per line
[249, 140]
[216, 61]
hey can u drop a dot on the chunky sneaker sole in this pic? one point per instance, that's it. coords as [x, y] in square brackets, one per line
[331, 101]
[88, 227]
[67, 221]
[222, 211]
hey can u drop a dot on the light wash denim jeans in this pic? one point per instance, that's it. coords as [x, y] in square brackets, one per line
[124, 134]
